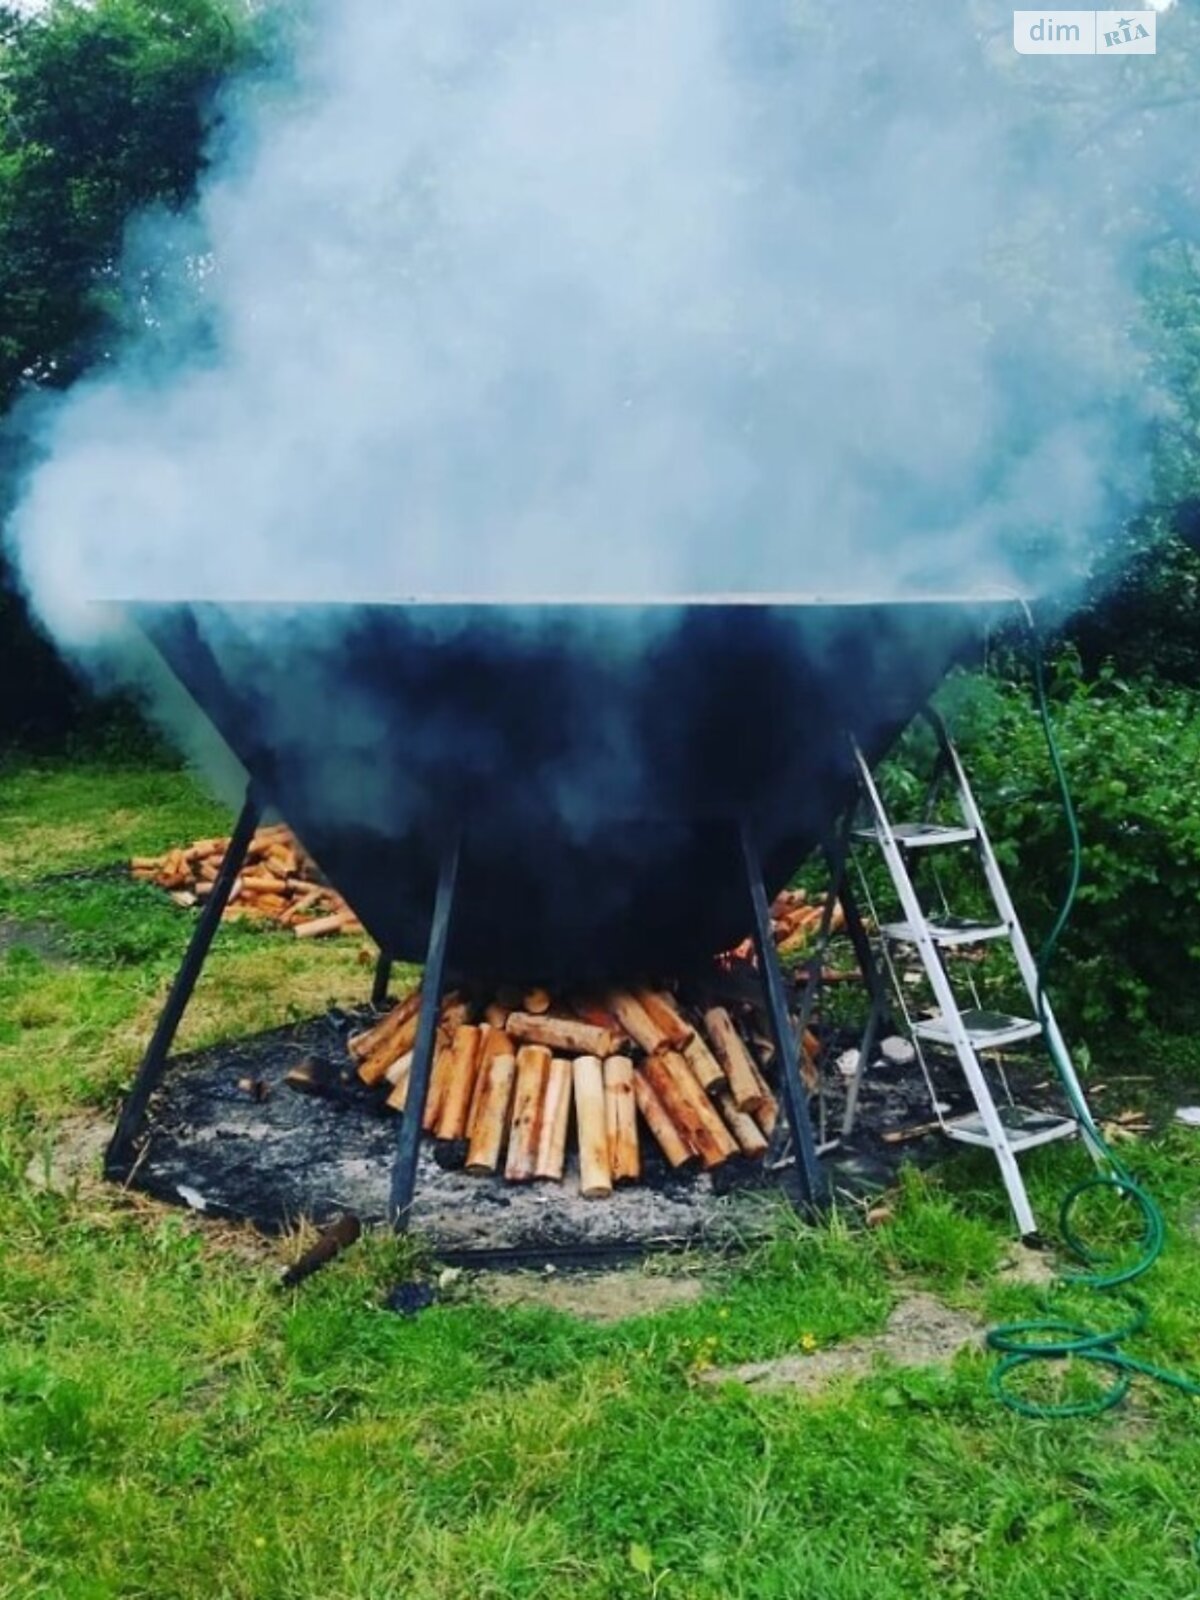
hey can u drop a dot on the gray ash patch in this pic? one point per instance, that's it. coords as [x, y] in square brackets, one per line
[288, 1156]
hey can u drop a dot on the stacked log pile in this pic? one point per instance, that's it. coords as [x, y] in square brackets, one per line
[279, 883]
[522, 1082]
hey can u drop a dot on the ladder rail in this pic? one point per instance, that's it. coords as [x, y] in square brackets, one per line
[947, 1003]
[1026, 963]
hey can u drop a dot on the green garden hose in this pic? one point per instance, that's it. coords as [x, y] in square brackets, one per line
[1054, 1338]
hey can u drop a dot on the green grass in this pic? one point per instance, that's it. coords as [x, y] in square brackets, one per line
[172, 1427]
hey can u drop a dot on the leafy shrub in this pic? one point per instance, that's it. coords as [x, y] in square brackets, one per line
[1131, 751]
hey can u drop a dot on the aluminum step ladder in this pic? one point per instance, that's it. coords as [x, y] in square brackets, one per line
[1007, 1129]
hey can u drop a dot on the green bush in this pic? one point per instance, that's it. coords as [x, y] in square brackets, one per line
[1131, 751]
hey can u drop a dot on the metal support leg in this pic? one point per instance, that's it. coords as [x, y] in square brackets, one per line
[383, 976]
[814, 1183]
[404, 1170]
[865, 956]
[118, 1160]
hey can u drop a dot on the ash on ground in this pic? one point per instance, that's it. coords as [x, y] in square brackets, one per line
[228, 1136]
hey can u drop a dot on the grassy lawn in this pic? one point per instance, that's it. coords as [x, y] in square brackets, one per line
[171, 1425]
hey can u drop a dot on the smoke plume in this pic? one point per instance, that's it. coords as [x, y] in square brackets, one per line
[626, 298]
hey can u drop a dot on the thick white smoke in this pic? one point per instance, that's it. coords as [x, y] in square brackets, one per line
[624, 297]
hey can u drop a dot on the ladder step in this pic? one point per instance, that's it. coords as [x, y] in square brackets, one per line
[948, 932]
[986, 1030]
[1025, 1128]
[921, 835]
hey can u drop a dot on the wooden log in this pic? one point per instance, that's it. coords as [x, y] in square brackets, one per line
[620, 1115]
[318, 927]
[263, 883]
[373, 1067]
[734, 1057]
[400, 1068]
[436, 1097]
[455, 1109]
[536, 1001]
[491, 1118]
[751, 1140]
[591, 1127]
[660, 1007]
[666, 1135]
[494, 1042]
[496, 1015]
[556, 1114]
[533, 1068]
[565, 1035]
[637, 1022]
[706, 1069]
[767, 1114]
[399, 1077]
[690, 1108]
[599, 1016]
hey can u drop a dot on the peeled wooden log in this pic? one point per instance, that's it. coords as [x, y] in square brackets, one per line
[689, 1108]
[394, 1037]
[620, 1109]
[556, 1114]
[660, 1007]
[399, 1076]
[767, 1114]
[666, 1135]
[591, 1125]
[536, 1001]
[706, 1069]
[496, 1015]
[533, 1068]
[318, 927]
[455, 1109]
[493, 1042]
[751, 1140]
[438, 1081]
[565, 1035]
[498, 1075]
[589, 1010]
[734, 1057]
[638, 1023]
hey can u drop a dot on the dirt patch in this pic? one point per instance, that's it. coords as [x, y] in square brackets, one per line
[39, 937]
[921, 1332]
[1036, 1268]
[593, 1296]
[72, 1155]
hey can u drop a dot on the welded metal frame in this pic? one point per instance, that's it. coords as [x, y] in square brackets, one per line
[408, 1145]
[813, 1179]
[121, 1158]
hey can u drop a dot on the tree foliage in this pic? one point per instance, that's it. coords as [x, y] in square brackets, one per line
[105, 108]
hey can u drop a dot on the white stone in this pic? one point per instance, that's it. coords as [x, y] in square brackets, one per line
[847, 1063]
[897, 1052]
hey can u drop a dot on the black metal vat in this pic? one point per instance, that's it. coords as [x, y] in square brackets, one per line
[597, 760]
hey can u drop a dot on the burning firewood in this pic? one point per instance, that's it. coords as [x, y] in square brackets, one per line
[595, 1173]
[533, 1068]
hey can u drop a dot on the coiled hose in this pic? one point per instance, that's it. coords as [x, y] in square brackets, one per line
[1054, 1338]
